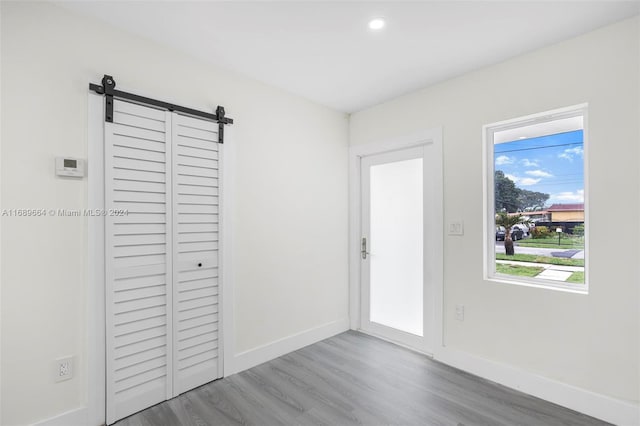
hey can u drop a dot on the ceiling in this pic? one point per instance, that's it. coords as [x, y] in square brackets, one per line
[325, 51]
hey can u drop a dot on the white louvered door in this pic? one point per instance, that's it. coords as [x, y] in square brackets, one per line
[195, 268]
[138, 259]
[161, 258]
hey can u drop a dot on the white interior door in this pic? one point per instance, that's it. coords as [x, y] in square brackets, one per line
[195, 266]
[161, 256]
[138, 259]
[396, 296]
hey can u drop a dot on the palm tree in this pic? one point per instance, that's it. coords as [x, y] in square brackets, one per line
[503, 219]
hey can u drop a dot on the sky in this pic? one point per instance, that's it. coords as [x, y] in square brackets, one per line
[551, 164]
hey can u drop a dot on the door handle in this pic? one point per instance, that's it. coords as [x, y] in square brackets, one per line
[363, 250]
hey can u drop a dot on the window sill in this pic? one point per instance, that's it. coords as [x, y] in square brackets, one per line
[538, 283]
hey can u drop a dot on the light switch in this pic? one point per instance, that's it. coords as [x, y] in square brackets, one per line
[456, 228]
[460, 312]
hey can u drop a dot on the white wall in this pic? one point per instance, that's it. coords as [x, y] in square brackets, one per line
[290, 220]
[586, 341]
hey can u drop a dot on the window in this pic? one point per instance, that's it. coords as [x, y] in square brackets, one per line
[535, 200]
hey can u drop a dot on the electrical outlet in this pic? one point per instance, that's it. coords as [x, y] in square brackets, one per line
[460, 312]
[63, 369]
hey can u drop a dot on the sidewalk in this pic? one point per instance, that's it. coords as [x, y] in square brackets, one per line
[550, 272]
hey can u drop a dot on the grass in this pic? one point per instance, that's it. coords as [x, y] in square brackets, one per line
[541, 259]
[566, 242]
[521, 271]
[576, 277]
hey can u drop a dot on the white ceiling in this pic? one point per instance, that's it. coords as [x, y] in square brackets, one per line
[325, 52]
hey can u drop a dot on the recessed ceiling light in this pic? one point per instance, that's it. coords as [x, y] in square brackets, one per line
[522, 137]
[377, 24]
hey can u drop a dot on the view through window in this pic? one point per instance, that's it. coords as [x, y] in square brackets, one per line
[538, 204]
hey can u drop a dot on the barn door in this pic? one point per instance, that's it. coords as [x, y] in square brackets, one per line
[161, 266]
[195, 263]
[138, 259]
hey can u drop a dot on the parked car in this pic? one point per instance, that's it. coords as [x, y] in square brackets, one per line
[500, 232]
[517, 233]
[524, 228]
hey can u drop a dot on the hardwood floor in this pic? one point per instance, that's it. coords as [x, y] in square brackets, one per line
[355, 379]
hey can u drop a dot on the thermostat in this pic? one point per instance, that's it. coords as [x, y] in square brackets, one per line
[70, 166]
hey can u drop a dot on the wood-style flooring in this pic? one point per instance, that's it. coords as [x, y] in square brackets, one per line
[355, 379]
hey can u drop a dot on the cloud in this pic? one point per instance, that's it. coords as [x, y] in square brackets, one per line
[503, 159]
[569, 153]
[528, 181]
[528, 163]
[572, 196]
[566, 156]
[577, 150]
[522, 181]
[539, 173]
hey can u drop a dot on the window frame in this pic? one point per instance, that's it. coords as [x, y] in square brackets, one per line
[489, 252]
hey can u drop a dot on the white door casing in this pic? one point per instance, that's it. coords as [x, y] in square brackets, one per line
[431, 142]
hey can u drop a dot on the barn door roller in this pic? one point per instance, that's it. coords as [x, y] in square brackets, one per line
[108, 89]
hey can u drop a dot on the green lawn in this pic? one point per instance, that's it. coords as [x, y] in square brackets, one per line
[521, 271]
[540, 259]
[566, 242]
[576, 277]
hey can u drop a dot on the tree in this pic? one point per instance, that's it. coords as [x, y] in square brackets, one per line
[503, 219]
[506, 193]
[531, 199]
[509, 198]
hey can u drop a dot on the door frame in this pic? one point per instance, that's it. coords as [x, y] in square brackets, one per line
[431, 139]
[95, 332]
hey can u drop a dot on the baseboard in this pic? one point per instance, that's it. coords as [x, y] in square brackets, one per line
[261, 354]
[623, 413]
[76, 417]
[241, 362]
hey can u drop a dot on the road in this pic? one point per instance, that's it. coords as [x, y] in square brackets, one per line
[536, 250]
